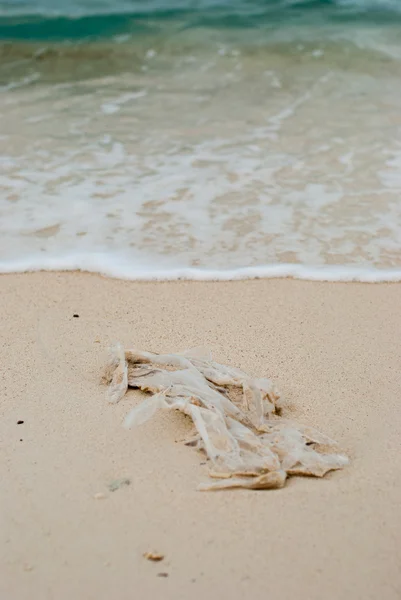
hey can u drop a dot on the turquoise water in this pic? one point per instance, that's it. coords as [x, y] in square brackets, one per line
[201, 138]
[54, 20]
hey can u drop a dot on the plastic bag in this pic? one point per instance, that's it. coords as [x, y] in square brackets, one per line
[237, 417]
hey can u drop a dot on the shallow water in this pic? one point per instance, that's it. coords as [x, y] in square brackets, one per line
[202, 139]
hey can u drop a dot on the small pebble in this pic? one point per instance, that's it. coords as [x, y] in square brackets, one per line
[28, 567]
[162, 574]
[99, 496]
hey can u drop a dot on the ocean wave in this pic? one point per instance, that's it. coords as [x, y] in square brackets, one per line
[82, 8]
[81, 20]
[209, 153]
[119, 268]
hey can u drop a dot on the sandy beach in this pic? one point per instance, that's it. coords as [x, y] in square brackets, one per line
[334, 351]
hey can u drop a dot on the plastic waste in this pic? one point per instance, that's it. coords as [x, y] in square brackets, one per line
[237, 417]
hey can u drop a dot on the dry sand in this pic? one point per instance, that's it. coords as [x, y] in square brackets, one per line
[335, 352]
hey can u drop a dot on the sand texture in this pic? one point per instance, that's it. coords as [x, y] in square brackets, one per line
[85, 504]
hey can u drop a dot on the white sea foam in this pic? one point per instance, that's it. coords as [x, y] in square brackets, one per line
[119, 268]
[25, 81]
[113, 106]
[232, 167]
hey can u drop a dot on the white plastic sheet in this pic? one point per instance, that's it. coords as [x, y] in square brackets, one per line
[237, 417]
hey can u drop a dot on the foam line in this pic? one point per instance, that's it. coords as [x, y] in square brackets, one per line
[120, 268]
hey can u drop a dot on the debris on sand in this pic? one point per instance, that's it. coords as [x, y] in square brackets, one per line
[99, 496]
[236, 417]
[153, 556]
[118, 483]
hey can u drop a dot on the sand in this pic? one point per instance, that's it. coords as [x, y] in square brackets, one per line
[333, 349]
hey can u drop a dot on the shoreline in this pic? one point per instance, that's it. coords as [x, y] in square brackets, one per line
[116, 269]
[332, 348]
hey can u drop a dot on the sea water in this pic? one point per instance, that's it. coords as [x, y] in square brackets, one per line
[201, 138]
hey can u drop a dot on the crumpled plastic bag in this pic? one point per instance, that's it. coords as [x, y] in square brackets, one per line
[236, 417]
